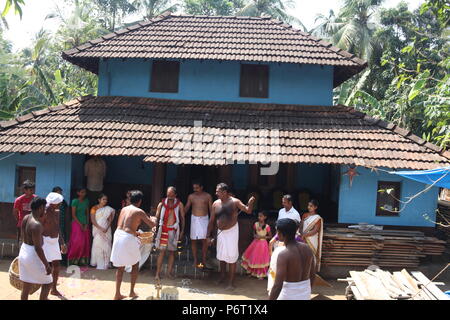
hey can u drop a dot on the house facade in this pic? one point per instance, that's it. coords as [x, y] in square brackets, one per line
[243, 100]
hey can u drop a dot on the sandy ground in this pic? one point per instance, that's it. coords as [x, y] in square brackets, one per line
[92, 284]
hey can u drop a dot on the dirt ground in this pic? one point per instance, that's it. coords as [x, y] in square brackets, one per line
[92, 284]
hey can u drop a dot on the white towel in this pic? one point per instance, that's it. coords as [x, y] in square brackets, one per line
[296, 290]
[125, 249]
[31, 268]
[52, 249]
[228, 244]
[199, 227]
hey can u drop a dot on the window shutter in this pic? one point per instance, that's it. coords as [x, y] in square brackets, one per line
[165, 76]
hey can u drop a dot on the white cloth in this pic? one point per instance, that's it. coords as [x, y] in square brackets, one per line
[95, 171]
[175, 225]
[273, 267]
[51, 248]
[31, 268]
[199, 227]
[291, 214]
[125, 249]
[54, 198]
[315, 241]
[145, 249]
[101, 243]
[228, 244]
[296, 290]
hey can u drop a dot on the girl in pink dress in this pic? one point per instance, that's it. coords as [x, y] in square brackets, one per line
[256, 258]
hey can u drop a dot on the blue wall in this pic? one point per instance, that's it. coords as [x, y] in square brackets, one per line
[358, 203]
[51, 170]
[219, 81]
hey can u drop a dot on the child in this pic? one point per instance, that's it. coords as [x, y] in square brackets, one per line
[80, 238]
[256, 258]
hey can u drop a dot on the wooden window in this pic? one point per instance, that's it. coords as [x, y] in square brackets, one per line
[388, 198]
[165, 76]
[254, 81]
[23, 174]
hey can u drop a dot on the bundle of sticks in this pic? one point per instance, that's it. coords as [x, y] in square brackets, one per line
[384, 248]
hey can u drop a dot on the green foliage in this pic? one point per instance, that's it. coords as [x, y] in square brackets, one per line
[213, 7]
[16, 4]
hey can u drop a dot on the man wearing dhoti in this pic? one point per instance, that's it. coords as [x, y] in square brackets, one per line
[226, 210]
[33, 266]
[201, 203]
[295, 267]
[54, 243]
[311, 229]
[170, 221]
[125, 249]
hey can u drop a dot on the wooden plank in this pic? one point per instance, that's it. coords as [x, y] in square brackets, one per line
[375, 287]
[410, 279]
[356, 293]
[360, 284]
[430, 286]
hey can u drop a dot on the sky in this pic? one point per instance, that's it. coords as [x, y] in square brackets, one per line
[21, 32]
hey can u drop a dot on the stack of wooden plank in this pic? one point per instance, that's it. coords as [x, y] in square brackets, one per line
[384, 248]
[378, 284]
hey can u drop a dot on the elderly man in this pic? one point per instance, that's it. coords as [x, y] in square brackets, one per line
[225, 211]
[170, 217]
[53, 242]
[295, 267]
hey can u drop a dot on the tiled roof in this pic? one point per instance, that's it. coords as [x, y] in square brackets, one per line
[231, 38]
[159, 129]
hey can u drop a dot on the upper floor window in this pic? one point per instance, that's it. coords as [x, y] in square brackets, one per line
[23, 174]
[165, 76]
[254, 81]
[388, 198]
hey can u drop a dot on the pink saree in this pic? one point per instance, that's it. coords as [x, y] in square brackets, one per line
[79, 245]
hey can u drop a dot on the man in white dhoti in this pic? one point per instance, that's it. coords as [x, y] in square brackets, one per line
[125, 249]
[295, 269]
[170, 222]
[33, 265]
[201, 203]
[311, 229]
[53, 242]
[226, 210]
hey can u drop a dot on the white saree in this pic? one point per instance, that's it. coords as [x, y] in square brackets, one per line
[102, 242]
[315, 241]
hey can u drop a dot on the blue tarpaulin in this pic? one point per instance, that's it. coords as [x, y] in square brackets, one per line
[439, 177]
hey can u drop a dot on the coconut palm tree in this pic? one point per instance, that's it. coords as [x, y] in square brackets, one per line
[273, 8]
[353, 28]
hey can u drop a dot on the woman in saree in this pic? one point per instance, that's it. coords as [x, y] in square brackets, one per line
[80, 238]
[311, 228]
[102, 216]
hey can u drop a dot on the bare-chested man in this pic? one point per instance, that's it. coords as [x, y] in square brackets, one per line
[201, 203]
[295, 267]
[225, 210]
[125, 250]
[33, 266]
[170, 220]
[53, 242]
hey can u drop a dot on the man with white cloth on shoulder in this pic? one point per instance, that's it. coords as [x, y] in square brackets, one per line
[53, 243]
[295, 266]
[33, 266]
[125, 250]
[226, 210]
